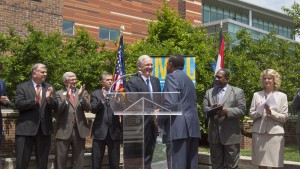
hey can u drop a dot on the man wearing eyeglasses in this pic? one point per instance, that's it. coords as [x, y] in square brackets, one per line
[146, 83]
[71, 127]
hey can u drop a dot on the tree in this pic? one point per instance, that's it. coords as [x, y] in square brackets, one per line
[294, 13]
[79, 54]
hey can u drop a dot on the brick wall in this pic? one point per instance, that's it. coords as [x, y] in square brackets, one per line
[289, 136]
[46, 15]
[7, 148]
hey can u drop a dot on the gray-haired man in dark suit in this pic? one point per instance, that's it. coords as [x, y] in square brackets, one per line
[35, 103]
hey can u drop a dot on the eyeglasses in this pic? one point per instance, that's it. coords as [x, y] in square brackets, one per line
[148, 65]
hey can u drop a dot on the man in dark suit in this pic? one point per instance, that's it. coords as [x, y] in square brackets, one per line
[224, 132]
[35, 102]
[4, 101]
[139, 84]
[106, 127]
[296, 107]
[71, 127]
[183, 137]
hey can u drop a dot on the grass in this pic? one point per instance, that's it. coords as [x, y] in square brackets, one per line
[290, 152]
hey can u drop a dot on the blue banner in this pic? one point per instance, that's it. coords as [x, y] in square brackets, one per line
[160, 68]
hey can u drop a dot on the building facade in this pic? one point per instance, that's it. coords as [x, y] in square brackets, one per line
[103, 18]
[236, 15]
[46, 15]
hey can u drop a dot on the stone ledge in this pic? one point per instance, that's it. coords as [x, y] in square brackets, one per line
[10, 163]
[244, 162]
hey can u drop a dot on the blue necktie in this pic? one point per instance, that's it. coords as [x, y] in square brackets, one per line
[149, 88]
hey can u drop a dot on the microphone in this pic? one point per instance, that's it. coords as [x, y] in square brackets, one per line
[122, 77]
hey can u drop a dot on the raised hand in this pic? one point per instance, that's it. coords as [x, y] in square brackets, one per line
[68, 92]
[49, 93]
[38, 93]
[81, 90]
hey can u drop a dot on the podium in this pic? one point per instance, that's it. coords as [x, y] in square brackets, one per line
[139, 112]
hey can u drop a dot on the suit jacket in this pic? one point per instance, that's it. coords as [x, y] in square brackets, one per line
[65, 114]
[137, 84]
[226, 128]
[2, 93]
[105, 120]
[271, 124]
[31, 115]
[296, 107]
[185, 125]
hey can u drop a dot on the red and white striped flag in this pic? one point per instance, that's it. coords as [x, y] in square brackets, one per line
[120, 67]
[220, 60]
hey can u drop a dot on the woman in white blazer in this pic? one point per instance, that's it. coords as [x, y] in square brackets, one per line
[269, 111]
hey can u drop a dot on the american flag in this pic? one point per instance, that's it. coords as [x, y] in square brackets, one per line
[120, 66]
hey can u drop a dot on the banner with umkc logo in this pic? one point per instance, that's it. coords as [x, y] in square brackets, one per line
[160, 68]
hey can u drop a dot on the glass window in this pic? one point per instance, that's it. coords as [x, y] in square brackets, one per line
[245, 19]
[226, 14]
[285, 31]
[271, 26]
[114, 34]
[266, 26]
[238, 17]
[108, 34]
[104, 33]
[255, 22]
[206, 14]
[280, 30]
[68, 27]
[232, 15]
[260, 24]
[213, 14]
[220, 14]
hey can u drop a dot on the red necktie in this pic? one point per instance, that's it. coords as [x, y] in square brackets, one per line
[72, 98]
[39, 100]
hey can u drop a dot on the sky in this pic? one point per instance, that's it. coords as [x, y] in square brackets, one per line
[272, 4]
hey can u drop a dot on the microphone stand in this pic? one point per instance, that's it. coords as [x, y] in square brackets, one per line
[121, 77]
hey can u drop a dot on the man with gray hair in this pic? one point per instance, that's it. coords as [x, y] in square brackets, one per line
[146, 83]
[35, 100]
[71, 128]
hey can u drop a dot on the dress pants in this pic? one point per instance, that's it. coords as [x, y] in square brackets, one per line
[62, 148]
[113, 152]
[150, 135]
[183, 153]
[24, 146]
[224, 156]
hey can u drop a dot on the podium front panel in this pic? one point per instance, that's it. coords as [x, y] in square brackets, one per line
[143, 132]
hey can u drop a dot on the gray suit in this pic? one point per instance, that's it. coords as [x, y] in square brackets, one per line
[71, 128]
[296, 107]
[185, 129]
[225, 132]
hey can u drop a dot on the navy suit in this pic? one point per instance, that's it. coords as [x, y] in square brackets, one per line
[34, 125]
[183, 137]
[137, 84]
[2, 93]
[106, 131]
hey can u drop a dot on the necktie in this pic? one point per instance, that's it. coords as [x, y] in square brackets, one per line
[149, 88]
[72, 98]
[39, 99]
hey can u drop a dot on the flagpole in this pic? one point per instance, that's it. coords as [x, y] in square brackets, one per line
[122, 28]
[221, 25]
